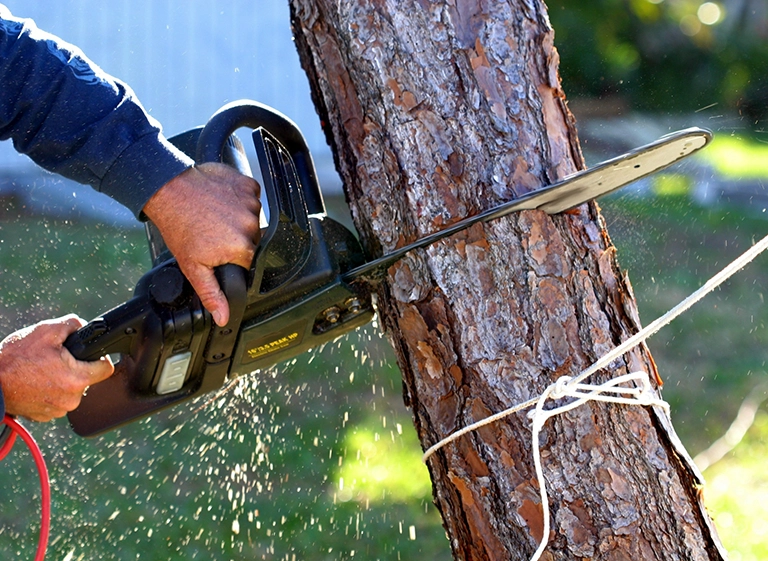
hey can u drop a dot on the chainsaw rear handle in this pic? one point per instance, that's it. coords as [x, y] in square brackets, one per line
[166, 298]
[162, 326]
[109, 334]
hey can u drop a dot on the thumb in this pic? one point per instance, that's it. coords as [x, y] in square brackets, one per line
[208, 290]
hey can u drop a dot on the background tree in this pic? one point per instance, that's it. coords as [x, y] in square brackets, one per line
[436, 110]
[681, 55]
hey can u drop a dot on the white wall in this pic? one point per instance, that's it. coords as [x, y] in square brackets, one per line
[186, 58]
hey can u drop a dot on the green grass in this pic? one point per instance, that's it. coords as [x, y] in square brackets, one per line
[257, 473]
[738, 157]
[737, 496]
[56, 267]
[253, 474]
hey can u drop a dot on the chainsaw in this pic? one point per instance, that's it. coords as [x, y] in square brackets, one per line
[309, 281]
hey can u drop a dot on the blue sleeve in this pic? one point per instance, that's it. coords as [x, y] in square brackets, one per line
[71, 118]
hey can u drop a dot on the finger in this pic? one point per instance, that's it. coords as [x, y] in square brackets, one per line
[72, 321]
[100, 370]
[55, 331]
[87, 372]
[63, 326]
[247, 191]
[240, 247]
[245, 257]
[45, 417]
[211, 296]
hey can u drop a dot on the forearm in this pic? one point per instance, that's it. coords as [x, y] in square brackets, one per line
[73, 119]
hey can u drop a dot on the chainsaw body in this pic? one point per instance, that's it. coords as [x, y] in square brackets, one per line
[292, 299]
[309, 281]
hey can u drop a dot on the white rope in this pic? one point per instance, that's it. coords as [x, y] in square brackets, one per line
[610, 391]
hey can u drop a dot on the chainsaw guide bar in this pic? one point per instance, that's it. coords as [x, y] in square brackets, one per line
[571, 192]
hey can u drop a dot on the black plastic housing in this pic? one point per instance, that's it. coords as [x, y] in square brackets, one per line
[291, 300]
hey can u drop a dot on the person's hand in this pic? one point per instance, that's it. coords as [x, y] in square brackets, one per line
[40, 379]
[208, 216]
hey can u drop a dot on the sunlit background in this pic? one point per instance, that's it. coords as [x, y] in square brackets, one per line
[316, 459]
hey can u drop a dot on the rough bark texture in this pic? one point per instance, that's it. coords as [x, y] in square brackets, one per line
[436, 110]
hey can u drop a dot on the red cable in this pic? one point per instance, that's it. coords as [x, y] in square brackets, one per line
[45, 486]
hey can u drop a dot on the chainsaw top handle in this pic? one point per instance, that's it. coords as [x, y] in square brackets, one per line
[247, 113]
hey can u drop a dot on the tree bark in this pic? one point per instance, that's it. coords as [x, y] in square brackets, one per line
[436, 110]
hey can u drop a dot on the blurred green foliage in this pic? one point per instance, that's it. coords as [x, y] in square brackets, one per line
[737, 157]
[715, 354]
[669, 54]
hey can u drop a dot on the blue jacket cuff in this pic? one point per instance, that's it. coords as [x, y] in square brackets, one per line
[141, 170]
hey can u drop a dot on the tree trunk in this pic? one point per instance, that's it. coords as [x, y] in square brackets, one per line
[436, 110]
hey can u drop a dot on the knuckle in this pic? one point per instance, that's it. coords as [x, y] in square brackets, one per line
[209, 293]
[71, 386]
[69, 405]
[59, 407]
